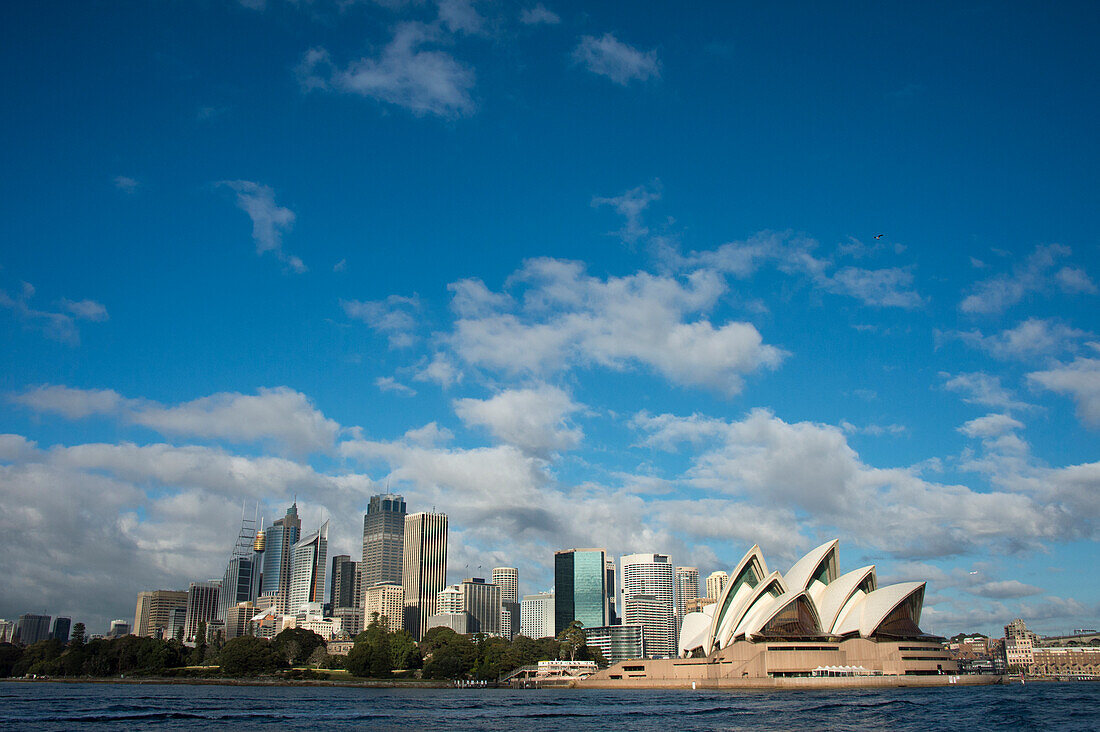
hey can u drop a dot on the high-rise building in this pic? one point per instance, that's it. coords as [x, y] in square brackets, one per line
[537, 615]
[202, 607]
[351, 619]
[61, 629]
[32, 628]
[238, 620]
[616, 642]
[687, 589]
[507, 578]
[716, 582]
[307, 569]
[580, 588]
[118, 629]
[612, 606]
[424, 569]
[279, 539]
[651, 576]
[481, 601]
[7, 631]
[152, 615]
[449, 600]
[387, 600]
[343, 582]
[241, 582]
[383, 541]
[655, 617]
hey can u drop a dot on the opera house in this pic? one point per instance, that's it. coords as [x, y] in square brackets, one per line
[811, 622]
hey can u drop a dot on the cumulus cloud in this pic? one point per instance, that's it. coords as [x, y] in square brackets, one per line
[610, 57]
[533, 419]
[1006, 589]
[630, 206]
[269, 220]
[1031, 339]
[1080, 380]
[439, 370]
[1033, 275]
[982, 388]
[460, 16]
[405, 74]
[388, 383]
[991, 425]
[393, 316]
[55, 325]
[279, 415]
[568, 319]
[538, 15]
[891, 287]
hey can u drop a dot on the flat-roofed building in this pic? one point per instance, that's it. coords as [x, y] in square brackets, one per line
[387, 600]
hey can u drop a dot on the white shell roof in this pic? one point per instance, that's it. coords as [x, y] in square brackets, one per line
[838, 593]
[693, 632]
[718, 622]
[762, 618]
[756, 604]
[869, 613]
[798, 577]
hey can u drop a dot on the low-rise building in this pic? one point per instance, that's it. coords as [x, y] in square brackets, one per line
[1075, 662]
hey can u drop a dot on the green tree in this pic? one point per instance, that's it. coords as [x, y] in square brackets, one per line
[406, 654]
[9, 657]
[179, 634]
[372, 654]
[249, 656]
[452, 656]
[79, 636]
[572, 639]
[296, 645]
[39, 658]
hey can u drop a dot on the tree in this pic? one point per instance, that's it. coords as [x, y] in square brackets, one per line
[79, 636]
[296, 645]
[179, 633]
[9, 657]
[319, 658]
[453, 658]
[406, 654]
[372, 654]
[573, 638]
[249, 656]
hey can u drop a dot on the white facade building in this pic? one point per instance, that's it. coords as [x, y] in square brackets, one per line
[537, 615]
[651, 579]
[687, 588]
[716, 582]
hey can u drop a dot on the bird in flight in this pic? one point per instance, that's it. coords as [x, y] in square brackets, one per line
[879, 236]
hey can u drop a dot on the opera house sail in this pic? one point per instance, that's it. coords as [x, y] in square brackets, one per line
[810, 621]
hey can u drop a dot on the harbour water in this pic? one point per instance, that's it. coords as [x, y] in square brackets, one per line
[99, 706]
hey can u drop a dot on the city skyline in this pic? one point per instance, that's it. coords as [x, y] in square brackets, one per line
[596, 276]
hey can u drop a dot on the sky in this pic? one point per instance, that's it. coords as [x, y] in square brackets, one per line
[645, 278]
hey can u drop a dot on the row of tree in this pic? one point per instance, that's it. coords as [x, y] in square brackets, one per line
[377, 653]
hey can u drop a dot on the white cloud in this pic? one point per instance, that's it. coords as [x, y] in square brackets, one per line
[982, 388]
[630, 206]
[997, 294]
[404, 74]
[1006, 589]
[126, 184]
[392, 316]
[534, 419]
[429, 435]
[538, 15]
[460, 15]
[472, 298]
[1033, 338]
[58, 326]
[16, 448]
[570, 319]
[388, 383]
[890, 287]
[282, 415]
[991, 425]
[269, 220]
[440, 370]
[610, 57]
[1080, 380]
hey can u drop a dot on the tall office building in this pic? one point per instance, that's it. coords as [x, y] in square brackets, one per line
[119, 628]
[241, 582]
[387, 601]
[580, 588]
[537, 615]
[280, 539]
[481, 601]
[307, 570]
[651, 576]
[424, 569]
[507, 578]
[344, 582]
[32, 628]
[616, 642]
[202, 607]
[7, 631]
[383, 541]
[61, 629]
[612, 606]
[687, 589]
[716, 582]
[153, 613]
[654, 615]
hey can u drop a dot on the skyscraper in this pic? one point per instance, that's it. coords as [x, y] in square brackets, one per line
[32, 628]
[652, 577]
[580, 588]
[537, 615]
[481, 600]
[383, 540]
[687, 588]
[153, 613]
[307, 570]
[424, 569]
[202, 607]
[507, 578]
[280, 539]
[241, 582]
[613, 616]
[344, 582]
[61, 629]
[716, 582]
[387, 600]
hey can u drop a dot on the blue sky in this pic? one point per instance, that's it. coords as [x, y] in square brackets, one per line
[574, 275]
